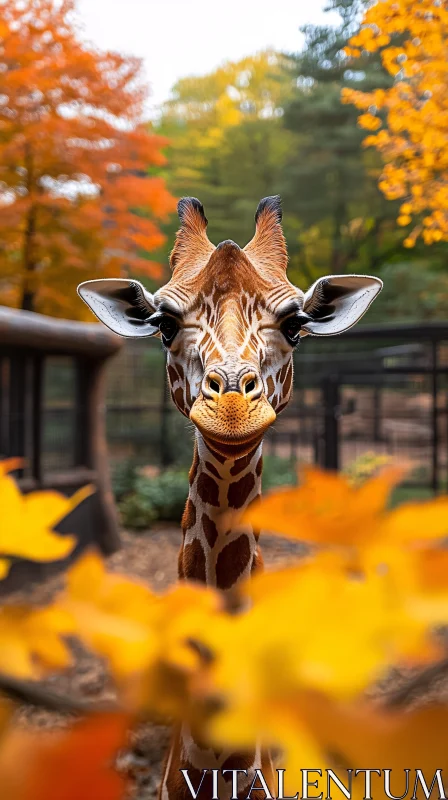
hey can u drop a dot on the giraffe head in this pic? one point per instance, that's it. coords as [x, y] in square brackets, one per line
[229, 320]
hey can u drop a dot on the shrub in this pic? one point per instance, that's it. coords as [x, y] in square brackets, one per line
[160, 498]
[137, 512]
[124, 475]
[278, 472]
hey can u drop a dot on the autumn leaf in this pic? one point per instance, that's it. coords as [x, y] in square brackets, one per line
[64, 765]
[360, 733]
[30, 640]
[28, 520]
[326, 509]
[144, 636]
[112, 614]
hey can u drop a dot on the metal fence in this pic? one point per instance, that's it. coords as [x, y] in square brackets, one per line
[376, 389]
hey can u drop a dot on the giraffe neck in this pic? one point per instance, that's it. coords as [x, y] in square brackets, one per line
[212, 552]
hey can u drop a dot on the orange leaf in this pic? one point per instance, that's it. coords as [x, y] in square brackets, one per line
[70, 765]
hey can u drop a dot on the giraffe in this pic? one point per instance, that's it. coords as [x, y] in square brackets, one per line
[229, 321]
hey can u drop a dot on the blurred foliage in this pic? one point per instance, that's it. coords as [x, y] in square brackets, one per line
[407, 121]
[161, 497]
[123, 476]
[330, 184]
[374, 587]
[76, 198]
[413, 290]
[277, 472]
[137, 511]
[276, 123]
[227, 142]
[365, 466]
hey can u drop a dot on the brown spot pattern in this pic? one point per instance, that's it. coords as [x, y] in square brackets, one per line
[194, 467]
[208, 489]
[242, 463]
[179, 397]
[271, 385]
[188, 395]
[238, 761]
[180, 370]
[287, 383]
[283, 372]
[210, 530]
[172, 374]
[212, 469]
[189, 515]
[194, 562]
[232, 561]
[259, 467]
[175, 782]
[239, 491]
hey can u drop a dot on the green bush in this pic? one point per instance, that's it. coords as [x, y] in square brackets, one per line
[160, 498]
[137, 512]
[123, 476]
[278, 472]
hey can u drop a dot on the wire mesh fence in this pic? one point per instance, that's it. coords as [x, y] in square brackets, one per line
[379, 390]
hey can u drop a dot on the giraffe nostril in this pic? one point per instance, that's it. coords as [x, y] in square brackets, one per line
[249, 387]
[214, 385]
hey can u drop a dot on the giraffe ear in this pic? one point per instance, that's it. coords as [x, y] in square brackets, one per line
[337, 302]
[192, 247]
[122, 305]
[267, 250]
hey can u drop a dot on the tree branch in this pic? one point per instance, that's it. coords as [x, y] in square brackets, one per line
[417, 685]
[34, 694]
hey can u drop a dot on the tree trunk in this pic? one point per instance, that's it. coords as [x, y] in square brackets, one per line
[29, 264]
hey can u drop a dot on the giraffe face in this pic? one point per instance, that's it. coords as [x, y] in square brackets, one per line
[229, 358]
[229, 320]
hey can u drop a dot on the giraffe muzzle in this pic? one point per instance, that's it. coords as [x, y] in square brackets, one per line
[234, 420]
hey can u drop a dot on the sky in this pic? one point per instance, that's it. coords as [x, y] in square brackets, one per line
[176, 38]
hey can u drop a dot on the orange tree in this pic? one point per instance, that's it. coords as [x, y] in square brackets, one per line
[76, 197]
[408, 122]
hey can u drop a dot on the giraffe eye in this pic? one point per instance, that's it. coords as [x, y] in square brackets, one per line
[167, 326]
[291, 328]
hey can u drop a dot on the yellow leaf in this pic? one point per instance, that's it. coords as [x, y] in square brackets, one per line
[28, 520]
[112, 614]
[30, 641]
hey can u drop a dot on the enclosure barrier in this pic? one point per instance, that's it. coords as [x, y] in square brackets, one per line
[380, 389]
[52, 414]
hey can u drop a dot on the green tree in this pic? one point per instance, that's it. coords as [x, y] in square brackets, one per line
[228, 144]
[330, 189]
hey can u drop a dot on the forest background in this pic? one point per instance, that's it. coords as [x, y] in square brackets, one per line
[271, 123]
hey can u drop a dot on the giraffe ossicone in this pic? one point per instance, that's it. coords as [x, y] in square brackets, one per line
[229, 320]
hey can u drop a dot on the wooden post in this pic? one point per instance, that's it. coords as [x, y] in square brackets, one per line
[26, 341]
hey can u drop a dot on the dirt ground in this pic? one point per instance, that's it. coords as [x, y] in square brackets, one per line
[151, 557]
